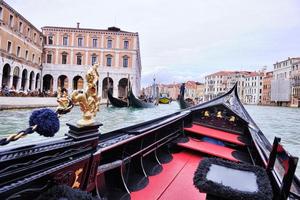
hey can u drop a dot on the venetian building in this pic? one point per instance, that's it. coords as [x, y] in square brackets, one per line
[21, 51]
[295, 79]
[68, 52]
[266, 92]
[253, 88]
[215, 84]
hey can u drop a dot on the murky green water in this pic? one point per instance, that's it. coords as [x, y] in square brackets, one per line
[273, 121]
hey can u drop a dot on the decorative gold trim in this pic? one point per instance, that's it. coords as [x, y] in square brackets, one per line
[76, 183]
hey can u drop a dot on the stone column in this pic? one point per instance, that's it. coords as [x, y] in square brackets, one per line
[26, 84]
[101, 59]
[54, 84]
[117, 60]
[1, 79]
[86, 57]
[33, 84]
[10, 81]
[115, 89]
[118, 42]
[100, 88]
[19, 83]
[70, 85]
[102, 41]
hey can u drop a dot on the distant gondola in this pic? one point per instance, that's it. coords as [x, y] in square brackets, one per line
[137, 103]
[184, 103]
[119, 103]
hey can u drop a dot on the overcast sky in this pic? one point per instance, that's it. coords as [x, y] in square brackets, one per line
[182, 39]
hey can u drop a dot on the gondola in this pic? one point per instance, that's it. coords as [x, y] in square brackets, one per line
[137, 103]
[119, 103]
[183, 104]
[198, 153]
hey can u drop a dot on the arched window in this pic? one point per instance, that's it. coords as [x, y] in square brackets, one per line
[94, 58]
[126, 44]
[80, 41]
[125, 61]
[79, 59]
[50, 39]
[95, 41]
[65, 40]
[64, 57]
[49, 57]
[109, 43]
[108, 60]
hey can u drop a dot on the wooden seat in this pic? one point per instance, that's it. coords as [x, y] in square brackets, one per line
[217, 134]
[215, 150]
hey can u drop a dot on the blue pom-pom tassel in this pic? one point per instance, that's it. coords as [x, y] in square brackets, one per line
[46, 120]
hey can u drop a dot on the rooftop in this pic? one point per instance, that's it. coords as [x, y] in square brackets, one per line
[75, 29]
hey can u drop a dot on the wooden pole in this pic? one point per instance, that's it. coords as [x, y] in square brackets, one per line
[108, 87]
[128, 88]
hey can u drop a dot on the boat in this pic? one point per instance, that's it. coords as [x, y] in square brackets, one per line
[164, 158]
[183, 103]
[116, 102]
[137, 103]
[164, 99]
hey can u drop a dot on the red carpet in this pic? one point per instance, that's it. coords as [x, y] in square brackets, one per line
[182, 188]
[172, 173]
[211, 149]
[221, 135]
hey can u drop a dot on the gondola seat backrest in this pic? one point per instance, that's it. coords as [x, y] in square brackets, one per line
[281, 165]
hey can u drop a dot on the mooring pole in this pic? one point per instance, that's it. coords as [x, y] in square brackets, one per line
[128, 88]
[108, 87]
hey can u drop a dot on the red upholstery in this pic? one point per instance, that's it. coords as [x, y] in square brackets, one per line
[211, 149]
[221, 135]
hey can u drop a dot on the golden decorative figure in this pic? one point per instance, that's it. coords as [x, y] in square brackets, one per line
[219, 114]
[64, 102]
[76, 183]
[232, 118]
[206, 113]
[88, 101]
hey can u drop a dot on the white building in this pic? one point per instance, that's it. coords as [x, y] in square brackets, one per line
[215, 84]
[281, 83]
[253, 88]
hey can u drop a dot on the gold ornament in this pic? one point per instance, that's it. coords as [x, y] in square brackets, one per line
[88, 101]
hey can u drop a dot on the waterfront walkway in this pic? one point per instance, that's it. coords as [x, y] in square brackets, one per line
[26, 102]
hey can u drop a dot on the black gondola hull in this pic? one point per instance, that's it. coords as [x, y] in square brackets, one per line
[115, 101]
[136, 103]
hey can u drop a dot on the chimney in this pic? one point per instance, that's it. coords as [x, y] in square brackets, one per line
[78, 25]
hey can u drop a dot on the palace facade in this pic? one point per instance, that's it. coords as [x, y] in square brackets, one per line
[21, 48]
[59, 56]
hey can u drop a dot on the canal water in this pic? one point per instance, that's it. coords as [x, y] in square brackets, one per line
[273, 121]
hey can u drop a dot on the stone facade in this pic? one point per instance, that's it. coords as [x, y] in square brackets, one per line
[21, 47]
[215, 85]
[218, 83]
[69, 51]
[253, 88]
[59, 56]
[249, 85]
[266, 92]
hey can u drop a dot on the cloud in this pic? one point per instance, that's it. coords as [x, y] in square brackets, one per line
[184, 39]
